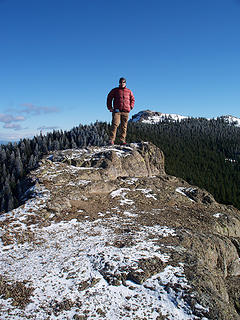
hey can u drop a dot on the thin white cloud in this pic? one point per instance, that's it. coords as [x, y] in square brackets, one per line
[32, 109]
[13, 126]
[8, 118]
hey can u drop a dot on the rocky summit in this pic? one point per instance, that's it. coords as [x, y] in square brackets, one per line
[107, 234]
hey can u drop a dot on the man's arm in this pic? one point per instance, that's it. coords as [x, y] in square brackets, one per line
[132, 100]
[110, 99]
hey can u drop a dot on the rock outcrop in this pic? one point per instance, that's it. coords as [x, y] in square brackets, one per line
[108, 234]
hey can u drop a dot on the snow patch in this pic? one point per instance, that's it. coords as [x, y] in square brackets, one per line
[122, 192]
[182, 191]
[218, 215]
[71, 261]
[147, 194]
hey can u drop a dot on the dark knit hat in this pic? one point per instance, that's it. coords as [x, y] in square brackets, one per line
[122, 79]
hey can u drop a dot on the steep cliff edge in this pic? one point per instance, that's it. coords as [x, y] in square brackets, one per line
[108, 234]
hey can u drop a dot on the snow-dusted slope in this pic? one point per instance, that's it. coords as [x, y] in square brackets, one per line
[102, 240]
[231, 120]
[67, 263]
[152, 117]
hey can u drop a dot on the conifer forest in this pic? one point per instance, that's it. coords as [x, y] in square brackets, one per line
[205, 153]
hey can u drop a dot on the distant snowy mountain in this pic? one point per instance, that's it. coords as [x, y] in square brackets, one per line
[231, 120]
[148, 116]
[152, 117]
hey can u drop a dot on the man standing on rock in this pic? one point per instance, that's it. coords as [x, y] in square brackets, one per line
[123, 102]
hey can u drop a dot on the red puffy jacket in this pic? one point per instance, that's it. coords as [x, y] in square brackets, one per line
[123, 99]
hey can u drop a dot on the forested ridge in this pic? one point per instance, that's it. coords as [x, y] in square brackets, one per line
[203, 152]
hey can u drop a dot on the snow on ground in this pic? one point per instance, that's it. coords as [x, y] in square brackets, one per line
[79, 183]
[122, 193]
[153, 117]
[162, 117]
[70, 263]
[183, 191]
[147, 193]
[131, 181]
[96, 153]
[232, 120]
[158, 117]
[218, 215]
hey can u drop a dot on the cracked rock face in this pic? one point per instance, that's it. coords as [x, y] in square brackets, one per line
[108, 234]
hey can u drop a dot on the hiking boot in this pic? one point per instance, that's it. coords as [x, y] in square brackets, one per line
[123, 143]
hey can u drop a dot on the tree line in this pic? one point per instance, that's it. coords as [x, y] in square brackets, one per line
[203, 152]
[18, 159]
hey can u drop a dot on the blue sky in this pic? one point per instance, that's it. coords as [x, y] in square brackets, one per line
[60, 58]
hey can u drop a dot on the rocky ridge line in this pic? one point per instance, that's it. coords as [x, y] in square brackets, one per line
[108, 234]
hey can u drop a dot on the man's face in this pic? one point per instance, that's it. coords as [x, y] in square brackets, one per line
[122, 83]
